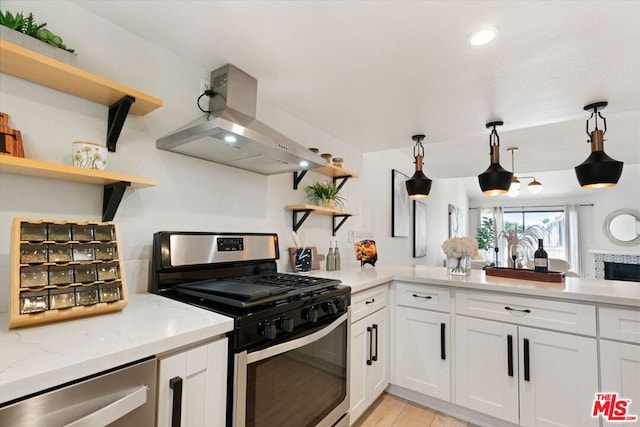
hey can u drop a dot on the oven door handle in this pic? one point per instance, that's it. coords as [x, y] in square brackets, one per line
[297, 343]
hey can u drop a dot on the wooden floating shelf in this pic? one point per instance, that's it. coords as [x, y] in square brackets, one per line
[523, 274]
[114, 184]
[306, 210]
[29, 65]
[319, 210]
[335, 171]
[39, 168]
[340, 176]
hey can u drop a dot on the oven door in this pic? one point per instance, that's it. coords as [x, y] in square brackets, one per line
[303, 382]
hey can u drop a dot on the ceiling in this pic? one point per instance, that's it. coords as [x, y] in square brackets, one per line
[373, 73]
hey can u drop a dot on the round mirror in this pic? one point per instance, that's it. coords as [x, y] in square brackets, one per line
[622, 227]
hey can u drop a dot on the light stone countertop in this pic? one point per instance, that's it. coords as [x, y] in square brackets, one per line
[586, 290]
[43, 356]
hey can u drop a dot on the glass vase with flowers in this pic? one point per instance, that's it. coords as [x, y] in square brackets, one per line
[459, 251]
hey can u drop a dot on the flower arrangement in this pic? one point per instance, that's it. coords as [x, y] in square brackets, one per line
[458, 247]
[459, 251]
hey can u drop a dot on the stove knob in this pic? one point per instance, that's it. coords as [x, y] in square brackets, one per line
[310, 314]
[285, 324]
[329, 307]
[267, 330]
[341, 303]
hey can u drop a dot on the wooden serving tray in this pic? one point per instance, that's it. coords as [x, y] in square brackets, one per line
[522, 274]
[109, 285]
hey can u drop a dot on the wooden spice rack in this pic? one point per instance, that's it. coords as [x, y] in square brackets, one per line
[523, 274]
[85, 277]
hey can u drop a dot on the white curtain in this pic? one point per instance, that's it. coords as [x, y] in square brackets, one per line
[572, 237]
[498, 227]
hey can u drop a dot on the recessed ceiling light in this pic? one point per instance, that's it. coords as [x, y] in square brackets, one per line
[482, 37]
[304, 163]
[230, 139]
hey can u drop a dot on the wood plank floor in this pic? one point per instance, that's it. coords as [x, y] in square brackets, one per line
[392, 411]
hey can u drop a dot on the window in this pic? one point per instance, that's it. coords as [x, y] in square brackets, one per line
[550, 219]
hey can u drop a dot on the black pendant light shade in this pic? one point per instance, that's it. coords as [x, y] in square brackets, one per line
[599, 170]
[418, 186]
[495, 180]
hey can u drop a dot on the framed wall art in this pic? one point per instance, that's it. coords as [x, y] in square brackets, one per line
[419, 228]
[400, 207]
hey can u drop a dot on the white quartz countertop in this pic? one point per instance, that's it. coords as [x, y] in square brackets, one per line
[587, 290]
[39, 357]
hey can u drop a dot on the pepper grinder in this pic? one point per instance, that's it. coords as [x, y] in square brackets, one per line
[331, 259]
[336, 254]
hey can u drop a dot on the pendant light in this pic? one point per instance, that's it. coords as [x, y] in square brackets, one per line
[534, 186]
[599, 170]
[495, 180]
[418, 186]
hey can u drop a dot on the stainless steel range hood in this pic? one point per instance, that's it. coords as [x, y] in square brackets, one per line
[233, 136]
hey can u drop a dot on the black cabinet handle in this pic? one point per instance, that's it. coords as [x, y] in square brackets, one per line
[370, 332]
[370, 302]
[375, 356]
[443, 353]
[526, 360]
[421, 296]
[526, 310]
[510, 355]
[175, 384]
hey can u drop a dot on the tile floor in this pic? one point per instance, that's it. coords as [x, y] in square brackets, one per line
[388, 411]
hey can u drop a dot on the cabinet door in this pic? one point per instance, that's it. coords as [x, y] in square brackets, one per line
[620, 370]
[422, 351]
[200, 375]
[558, 378]
[358, 368]
[378, 375]
[487, 367]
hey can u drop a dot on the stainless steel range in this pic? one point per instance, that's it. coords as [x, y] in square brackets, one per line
[289, 350]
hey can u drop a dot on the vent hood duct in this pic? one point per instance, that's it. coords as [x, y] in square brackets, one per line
[232, 136]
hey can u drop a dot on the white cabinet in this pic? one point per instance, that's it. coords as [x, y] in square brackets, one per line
[369, 374]
[521, 374]
[422, 350]
[620, 361]
[192, 386]
[487, 367]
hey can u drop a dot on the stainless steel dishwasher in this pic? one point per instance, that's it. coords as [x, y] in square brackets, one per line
[124, 396]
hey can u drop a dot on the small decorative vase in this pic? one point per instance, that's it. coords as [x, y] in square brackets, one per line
[459, 266]
[89, 155]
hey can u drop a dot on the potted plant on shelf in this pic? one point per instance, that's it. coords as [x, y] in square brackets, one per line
[26, 32]
[324, 194]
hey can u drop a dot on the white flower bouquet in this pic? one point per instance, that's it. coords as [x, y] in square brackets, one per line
[459, 251]
[458, 247]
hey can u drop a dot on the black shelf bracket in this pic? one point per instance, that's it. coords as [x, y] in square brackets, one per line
[296, 223]
[111, 199]
[117, 115]
[343, 180]
[337, 227]
[297, 177]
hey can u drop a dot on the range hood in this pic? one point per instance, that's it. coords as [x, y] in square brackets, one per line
[232, 136]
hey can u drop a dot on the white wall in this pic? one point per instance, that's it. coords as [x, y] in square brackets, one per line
[377, 214]
[192, 194]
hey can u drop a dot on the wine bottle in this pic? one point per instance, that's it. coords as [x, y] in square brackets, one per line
[540, 259]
